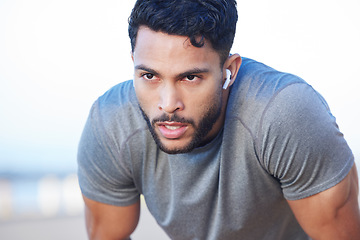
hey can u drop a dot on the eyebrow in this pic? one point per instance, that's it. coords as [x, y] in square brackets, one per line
[147, 69]
[193, 72]
[181, 75]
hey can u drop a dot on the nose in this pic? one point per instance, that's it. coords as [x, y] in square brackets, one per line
[170, 99]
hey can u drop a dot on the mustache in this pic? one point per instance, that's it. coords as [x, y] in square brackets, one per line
[172, 118]
[165, 118]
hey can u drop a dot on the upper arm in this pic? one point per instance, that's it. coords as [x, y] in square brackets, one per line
[333, 213]
[110, 222]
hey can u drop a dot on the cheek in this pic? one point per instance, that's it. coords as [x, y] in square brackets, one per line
[147, 99]
[200, 103]
[209, 94]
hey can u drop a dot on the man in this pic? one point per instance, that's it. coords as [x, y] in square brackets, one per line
[221, 147]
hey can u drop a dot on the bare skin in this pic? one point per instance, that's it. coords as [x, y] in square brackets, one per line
[332, 214]
[109, 222]
[172, 77]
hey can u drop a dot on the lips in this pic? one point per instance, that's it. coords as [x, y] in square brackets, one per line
[172, 130]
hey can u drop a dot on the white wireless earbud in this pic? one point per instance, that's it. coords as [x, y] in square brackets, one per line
[228, 79]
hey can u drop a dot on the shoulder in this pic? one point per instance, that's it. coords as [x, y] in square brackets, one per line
[117, 111]
[113, 120]
[104, 164]
[254, 89]
[298, 141]
[259, 82]
[294, 134]
[120, 97]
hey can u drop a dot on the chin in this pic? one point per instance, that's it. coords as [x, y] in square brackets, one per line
[174, 148]
[174, 151]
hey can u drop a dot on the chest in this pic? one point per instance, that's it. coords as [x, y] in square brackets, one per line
[209, 194]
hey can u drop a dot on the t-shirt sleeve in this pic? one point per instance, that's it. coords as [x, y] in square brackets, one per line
[104, 173]
[301, 144]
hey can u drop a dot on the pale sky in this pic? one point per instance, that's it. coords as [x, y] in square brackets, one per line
[57, 57]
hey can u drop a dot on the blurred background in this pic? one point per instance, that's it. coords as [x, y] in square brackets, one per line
[57, 57]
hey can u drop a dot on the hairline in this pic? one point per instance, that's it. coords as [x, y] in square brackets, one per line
[222, 54]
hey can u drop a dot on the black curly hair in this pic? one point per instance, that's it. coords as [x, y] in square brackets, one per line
[213, 20]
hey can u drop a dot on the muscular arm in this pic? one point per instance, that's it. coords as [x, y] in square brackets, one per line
[332, 214]
[109, 222]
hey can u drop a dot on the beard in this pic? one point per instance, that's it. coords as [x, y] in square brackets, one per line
[202, 129]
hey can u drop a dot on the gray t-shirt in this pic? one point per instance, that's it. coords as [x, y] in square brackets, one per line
[279, 142]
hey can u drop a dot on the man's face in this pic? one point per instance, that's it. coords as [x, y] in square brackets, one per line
[179, 90]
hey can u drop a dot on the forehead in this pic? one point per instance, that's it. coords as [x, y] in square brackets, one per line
[158, 48]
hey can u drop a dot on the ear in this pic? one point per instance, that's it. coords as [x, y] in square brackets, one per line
[233, 63]
[132, 55]
[132, 58]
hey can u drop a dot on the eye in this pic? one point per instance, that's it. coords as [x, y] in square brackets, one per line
[148, 76]
[190, 77]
